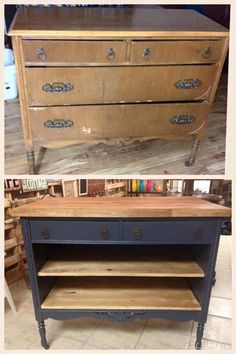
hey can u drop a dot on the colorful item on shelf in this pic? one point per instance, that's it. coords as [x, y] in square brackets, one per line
[137, 185]
[133, 185]
[142, 186]
[149, 185]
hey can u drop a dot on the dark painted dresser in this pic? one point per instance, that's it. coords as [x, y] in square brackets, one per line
[122, 258]
[115, 74]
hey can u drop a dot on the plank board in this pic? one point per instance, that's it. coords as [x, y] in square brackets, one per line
[122, 207]
[121, 294]
[134, 264]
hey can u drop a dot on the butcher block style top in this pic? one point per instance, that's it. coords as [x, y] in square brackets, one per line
[115, 22]
[122, 207]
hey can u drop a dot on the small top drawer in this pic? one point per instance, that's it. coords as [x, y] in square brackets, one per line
[71, 229]
[179, 231]
[175, 52]
[46, 52]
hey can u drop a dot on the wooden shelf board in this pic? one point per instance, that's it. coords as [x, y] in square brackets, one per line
[121, 294]
[122, 265]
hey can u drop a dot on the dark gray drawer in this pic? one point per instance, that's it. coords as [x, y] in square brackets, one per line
[63, 230]
[178, 231]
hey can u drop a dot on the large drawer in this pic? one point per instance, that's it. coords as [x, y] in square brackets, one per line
[175, 52]
[179, 231]
[66, 230]
[118, 121]
[93, 85]
[46, 52]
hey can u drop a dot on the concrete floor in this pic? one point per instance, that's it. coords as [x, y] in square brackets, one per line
[21, 329]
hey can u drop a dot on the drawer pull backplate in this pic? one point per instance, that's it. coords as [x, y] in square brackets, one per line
[137, 232]
[188, 83]
[41, 53]
[105, 234]
[110, 54]
[206, 52]
[59, 123]
[198, 233]
[58, 87]
[182, 119]
[45, 233]
[147, 53]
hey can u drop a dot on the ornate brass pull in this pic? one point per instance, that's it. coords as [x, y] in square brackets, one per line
[147, 53]
[59, 123]
[182, 119]
[57, 87]
[45, 233]
[41, 53]
[138, 233]
[105, 234]
[110, 54]
[198, 233]
[206, 52]
[188, 83]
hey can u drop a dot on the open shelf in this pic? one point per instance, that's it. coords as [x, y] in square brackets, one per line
[134, 264]
[121, 294]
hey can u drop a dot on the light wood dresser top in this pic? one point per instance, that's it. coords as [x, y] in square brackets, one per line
[112, 22]
[122, 207]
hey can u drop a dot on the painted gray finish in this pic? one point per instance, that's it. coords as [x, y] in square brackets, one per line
[200, 234]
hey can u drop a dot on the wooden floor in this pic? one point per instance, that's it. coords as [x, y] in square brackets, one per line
[151, 157]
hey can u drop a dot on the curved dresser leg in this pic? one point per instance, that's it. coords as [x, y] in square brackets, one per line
[200, 329]
[31, 162]
[42, 332]
[193, 154]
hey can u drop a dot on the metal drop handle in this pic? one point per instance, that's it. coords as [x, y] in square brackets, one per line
[138, 233]
[105, 234]
[206, 52]
[110, 54]
[147, 53]
[41, 53]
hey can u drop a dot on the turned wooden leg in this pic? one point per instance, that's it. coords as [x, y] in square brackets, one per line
[200, 329]
[191, 159]
[31, 162]
[42, 332]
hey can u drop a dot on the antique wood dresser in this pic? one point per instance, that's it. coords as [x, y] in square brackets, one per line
[121, 258]
[115, 74]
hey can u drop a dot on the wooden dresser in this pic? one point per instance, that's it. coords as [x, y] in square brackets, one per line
[115, 74]
[121, 258]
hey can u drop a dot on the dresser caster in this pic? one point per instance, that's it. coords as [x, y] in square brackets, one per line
[192, 157]
[200, 329]
[42, 332]
[31, 162]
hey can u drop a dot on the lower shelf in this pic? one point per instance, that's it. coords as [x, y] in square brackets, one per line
[121, 294]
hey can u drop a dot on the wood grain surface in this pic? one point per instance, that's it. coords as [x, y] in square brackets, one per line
[91, 122]
[116, 22]
[122, 207]
[98, 85]
[121, 293]
[133, 263]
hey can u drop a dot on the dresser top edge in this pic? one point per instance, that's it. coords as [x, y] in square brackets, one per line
[111, 22]
[122, 207]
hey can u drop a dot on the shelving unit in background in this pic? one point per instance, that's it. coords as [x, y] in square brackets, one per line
[116, 188]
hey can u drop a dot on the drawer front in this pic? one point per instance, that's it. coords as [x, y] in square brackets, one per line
[46, 52]
[175, 52]
[61, 86]
[64, 230]
[118, 121]
[178, 231]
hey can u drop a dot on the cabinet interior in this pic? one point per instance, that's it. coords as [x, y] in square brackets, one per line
[121, 276]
